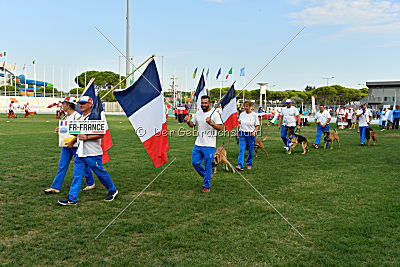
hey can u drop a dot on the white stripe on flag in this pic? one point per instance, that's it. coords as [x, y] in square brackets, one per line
[228, 110]
[148, 120]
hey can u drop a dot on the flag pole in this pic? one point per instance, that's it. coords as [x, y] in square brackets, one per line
[112, 89]
[87, 87]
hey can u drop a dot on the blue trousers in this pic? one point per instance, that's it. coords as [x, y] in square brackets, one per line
[284, 137]
[362, 134]
[246, 141]
[206, 153]
[96, 164]
[65, 158]
[320, 131]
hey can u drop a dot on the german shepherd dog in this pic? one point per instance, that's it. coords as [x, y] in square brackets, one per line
[370, 134]
[220, 157]
[331, 137]
[297, 139]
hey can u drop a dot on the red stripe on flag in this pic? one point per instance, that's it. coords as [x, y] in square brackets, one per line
[227, 77]
[157, 147]
[106, 144]
[231, 122]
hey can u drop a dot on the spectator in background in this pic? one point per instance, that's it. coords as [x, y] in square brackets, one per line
[380, 117]
[364, 116]
[385, 115]
[11, 108]
[389, 121]
[260, 110]
[349, 116]
[353, 118]
[396, 118]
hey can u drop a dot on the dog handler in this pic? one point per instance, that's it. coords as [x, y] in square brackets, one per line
[67, 153]
[322, 119]
[89, 153]
[289, 116]
[248, 126]
[204, 147]
[364, 116]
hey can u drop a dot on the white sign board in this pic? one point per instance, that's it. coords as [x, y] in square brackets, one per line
[82, 127]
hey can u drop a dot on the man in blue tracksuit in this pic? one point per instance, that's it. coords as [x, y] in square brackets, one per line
[322, 119]
[89, 153]
[288, 119]
[364, 116]
[204, 148]
[67, 153]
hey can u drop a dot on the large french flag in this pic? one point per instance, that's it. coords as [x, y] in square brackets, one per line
[98, 113]
[229, 110]
[143, 103]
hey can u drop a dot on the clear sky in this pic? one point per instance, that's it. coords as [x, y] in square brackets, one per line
[353, 40]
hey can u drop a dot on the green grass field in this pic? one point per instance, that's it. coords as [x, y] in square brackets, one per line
[346, 203]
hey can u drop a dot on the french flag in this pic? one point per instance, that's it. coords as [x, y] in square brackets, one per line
[200, 91]
[98, 113]
[229, 111]
[143, 103]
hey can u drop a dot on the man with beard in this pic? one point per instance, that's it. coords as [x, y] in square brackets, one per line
[204, 148]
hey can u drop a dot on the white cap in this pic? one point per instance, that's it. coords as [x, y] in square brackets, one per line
[288, 101]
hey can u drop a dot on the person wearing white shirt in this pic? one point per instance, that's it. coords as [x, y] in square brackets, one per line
[364, 116]
[248, 127]
[208, 123]
[322, 119]
[89, 153]
[67, 153]
[288, 118]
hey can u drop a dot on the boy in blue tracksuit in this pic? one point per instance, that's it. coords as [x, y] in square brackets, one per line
[204, 148]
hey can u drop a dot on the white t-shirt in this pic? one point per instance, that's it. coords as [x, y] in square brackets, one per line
[248, 122]
[363, 119]
[289, 116]
[88, 148]
[349, 114]
[207, 135]
[323, 117]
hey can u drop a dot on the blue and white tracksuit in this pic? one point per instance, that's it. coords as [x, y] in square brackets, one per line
[65, 158]
[206, 153]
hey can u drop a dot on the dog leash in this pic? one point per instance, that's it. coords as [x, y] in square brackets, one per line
[223, 145]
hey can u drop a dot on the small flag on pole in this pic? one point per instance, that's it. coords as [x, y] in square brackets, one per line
[229, 114]
[200, 91]
[33, 62]
[230, 72]
[98, 113]
[194, 73]
[219, 73]
[208, 72]
[242, 71]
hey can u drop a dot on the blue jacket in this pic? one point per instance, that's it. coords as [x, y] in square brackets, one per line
[396, 114]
